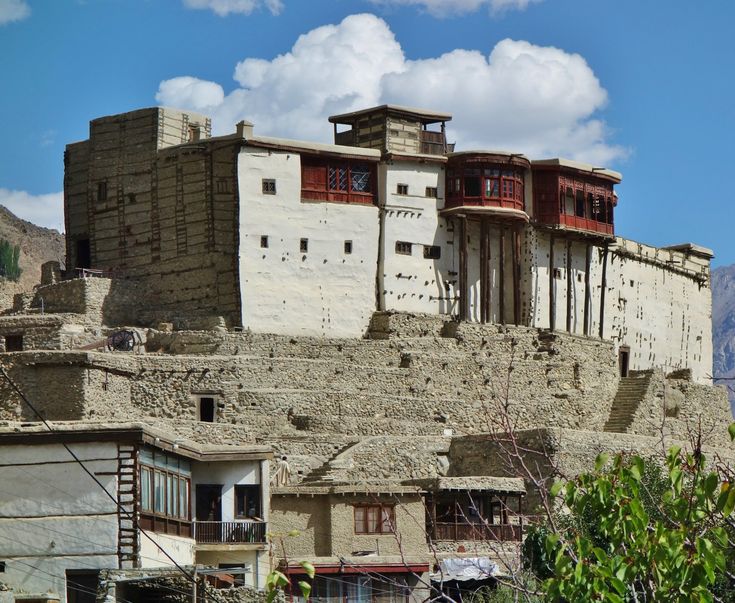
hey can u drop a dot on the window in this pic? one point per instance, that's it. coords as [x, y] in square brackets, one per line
[431, 191]
[264, 241]
[471, 185]
[360, 178]
[269, 186]
[375, 519]
[84, 254]
[348, 247]
[14, 343]
[102, 190]
[402, 189]
[432, 252]
[247, 502]
[337, 180]
[557, 273]
[131, 198]
[165, 483]
[206, 410]
[403, 248]
[223, 185]
[304, 245]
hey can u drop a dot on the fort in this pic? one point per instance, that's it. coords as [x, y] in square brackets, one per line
[372, 314]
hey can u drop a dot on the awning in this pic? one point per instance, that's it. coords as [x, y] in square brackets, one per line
[465, 568]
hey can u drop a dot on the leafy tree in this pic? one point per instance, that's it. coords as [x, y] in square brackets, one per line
[634, 532]
[9, 258]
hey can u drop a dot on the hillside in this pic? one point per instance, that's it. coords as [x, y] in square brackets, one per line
[723, 323]
[37, 245]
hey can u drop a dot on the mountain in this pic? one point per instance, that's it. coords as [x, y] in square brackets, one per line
[723, 324]
[37, 245]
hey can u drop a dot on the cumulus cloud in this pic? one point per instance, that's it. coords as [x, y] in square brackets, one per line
[541, 101]
[13, 10]
[43, 210]
[243, 7]
[444, 8]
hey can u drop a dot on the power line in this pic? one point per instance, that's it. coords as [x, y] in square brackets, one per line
[90, 474]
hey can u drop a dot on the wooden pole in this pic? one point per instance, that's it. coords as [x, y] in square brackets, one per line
[501, 276]
[603, 288]
[570, 285]
[587, 292]
[552, 292]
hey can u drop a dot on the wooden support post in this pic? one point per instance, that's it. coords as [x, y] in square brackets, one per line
[603, 288]
[501, 276]
[552, 291]
[464, 305]
[587, 292]
[570, 285]
[516, 276]
[484, 285]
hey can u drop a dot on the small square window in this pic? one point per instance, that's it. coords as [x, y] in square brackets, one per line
[432, 252]
[223, 185]
[348, 247]
[579, 277]
[131, 198]
[269, 186]
[403, 248]
[264, 241]
[14, 343]
[402, 189]
[304, 245]
[102, 190]
[557, 272]
[431, 191]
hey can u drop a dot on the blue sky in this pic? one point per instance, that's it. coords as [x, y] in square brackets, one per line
[643, 87]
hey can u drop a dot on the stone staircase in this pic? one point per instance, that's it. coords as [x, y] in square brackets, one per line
[628, 398]
[322, 474]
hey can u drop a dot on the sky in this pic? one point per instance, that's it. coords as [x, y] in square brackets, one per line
[645, 88]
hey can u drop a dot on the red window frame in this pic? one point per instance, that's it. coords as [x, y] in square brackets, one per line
[338, 180]
[374, 519]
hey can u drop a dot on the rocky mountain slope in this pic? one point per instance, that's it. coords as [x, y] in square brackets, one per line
[723, 324]
[37, 245]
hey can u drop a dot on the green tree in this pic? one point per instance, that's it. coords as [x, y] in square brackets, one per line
[9, 258]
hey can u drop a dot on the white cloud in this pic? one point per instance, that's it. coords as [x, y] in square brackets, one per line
[445, 8]
[43, 210]
[243, 7]
[13, 10]
[541, 101]
[191, 93]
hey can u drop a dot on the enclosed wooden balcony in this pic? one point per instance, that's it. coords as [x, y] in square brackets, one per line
[486, 184]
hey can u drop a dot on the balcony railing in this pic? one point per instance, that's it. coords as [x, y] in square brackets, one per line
[479, 531]
[433, 143]
[230, 532]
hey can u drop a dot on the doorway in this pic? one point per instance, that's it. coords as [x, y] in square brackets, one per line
[209, 502]
[624, 360]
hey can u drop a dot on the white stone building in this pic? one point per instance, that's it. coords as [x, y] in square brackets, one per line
[290, 237]
[165, 500]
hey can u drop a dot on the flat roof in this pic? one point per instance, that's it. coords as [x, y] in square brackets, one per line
[423, 115]
[693, 249]
[27, 433]
[579, 166]
[316, 148]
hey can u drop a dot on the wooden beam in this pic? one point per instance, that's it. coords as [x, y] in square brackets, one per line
[587, 292]
[464, 305]
[552, 291]
[570, 285]
[603, 288]
[501, 276]
[516, 276]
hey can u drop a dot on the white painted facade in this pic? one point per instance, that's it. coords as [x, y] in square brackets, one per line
[53, 517]
[323, 291]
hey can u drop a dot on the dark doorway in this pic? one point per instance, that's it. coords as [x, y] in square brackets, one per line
[84, 254]
[206, 410]
[624, 360]
[81, 586]
[247, 501]
[14, 343]
[209, 502]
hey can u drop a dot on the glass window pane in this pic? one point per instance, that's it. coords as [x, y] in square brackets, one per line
[145, 489]
[360, 178]
[360, 520]
[372, 519]
[159, 490]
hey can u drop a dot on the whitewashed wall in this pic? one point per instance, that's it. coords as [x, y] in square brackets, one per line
[180, 548]
[662, 314]
[53, 517]
[322, 292]
[229, 474]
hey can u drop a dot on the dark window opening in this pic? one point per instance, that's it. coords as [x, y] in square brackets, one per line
[432, 252]
[81, 586]
[14, 343]
[360, 178]
[269, 186]
[2, 566]
[247, 502]
[304, 245]
[264, 241]
[402, 189]
[84, 254]
[348, 247]
[206, 410]
[472, 186]
[209, 502]
[557, 273]
[579, 209]
[403, 248]
[102, 190]
[431, 191]
[624, 360]
[131, 198]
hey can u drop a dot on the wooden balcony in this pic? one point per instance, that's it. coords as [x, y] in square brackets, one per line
[230, 532]
[477, 531]
[433, 143]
